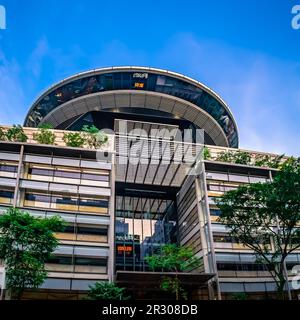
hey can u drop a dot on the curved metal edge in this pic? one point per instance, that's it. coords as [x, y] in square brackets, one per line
[98, 71]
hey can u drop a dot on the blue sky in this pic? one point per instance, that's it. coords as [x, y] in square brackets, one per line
[246, 51]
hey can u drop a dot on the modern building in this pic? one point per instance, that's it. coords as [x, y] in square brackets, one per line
[149, 184]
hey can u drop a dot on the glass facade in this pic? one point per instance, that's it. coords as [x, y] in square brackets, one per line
[66, 202]
[135, 81]
[142, 225]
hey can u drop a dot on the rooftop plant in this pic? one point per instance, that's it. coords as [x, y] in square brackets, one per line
[16, 134]
[74, 139]
[2, 135]
[94, 137]
[45, 135]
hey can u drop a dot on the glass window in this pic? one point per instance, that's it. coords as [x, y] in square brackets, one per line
[93, 202]
[8, 168]
[238, 178]
[215, 212]
[217, 176]
[67, 174]
[6, 194]
[38, 197]
[60, 260]
[91, 231]
[90, 262]
[94, 177]
[40, 172]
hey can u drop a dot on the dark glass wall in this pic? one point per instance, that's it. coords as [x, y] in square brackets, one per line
[142, 226]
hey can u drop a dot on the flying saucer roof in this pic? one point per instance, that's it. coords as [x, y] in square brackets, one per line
[141, 87]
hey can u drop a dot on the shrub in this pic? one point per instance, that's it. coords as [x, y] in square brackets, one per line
[268, 161]
[106, 291]
[74, 139]
[238, 157]
[206, 153]
[2, 135]
[275, 162]
[262, 160]
[44, 135]
[242, 157]
[94, 137]
[225, 157]
[16, 134]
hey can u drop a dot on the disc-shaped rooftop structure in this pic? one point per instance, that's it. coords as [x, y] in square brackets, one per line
[138, 93]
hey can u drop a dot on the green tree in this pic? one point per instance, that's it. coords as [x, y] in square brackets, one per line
[172, 258]
[74, 139]
[16, 134]
[265, 218]
[106, 291]
[45, 135]
[94, 137]
[26, 243]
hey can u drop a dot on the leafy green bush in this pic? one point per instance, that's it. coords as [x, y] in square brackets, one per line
[16, 134]
[242, 157]
[261, 160]
[90, 129]
[206, 153]
[94, 137]
[225, 156]
[275, 162]
[106, 291]
[238, 157]
[2, 135]
[44, 135]
[268, 161]
[74, 139]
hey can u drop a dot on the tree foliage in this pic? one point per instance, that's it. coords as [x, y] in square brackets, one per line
[172, 258]
[106, 291]
[26, 243]
[265, 216]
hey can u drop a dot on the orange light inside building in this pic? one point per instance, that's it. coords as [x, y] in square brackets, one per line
[124, 248]
[139, 85]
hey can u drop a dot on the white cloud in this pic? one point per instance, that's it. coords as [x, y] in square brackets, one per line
[35, 60]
